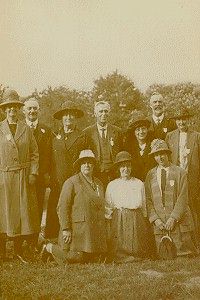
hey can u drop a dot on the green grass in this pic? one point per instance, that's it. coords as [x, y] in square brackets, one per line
[179, 279]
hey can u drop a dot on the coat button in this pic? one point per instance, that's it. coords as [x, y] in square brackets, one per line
[15, 159]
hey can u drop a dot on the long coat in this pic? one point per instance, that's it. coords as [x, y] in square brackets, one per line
[160, 131]
[65, 150]
[193, 143]
[82, 210]
[176, 204]
[18, 159]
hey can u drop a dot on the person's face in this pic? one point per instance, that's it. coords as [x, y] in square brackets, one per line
[31, 110]
[69, 120]
[102, 113]
[182, 124]
[11, 111]
[157, 105]
[162, 159]
[125, 169]
[141, 133]
[87, 167]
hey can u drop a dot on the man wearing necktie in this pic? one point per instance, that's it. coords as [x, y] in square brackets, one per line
[167, 200]
[160, 124]
[104, 139]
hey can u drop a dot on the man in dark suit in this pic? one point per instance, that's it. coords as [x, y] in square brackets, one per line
[42, 135]
[160, 124]
[66, 146]
[104, 139]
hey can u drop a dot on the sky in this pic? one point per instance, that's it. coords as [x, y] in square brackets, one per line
[74, 42]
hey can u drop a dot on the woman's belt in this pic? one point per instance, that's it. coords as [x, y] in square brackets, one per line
[15, 167]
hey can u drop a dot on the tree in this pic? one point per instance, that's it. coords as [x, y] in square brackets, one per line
[122, 95]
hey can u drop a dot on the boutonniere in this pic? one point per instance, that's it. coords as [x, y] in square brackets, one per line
[43, 130]
[187, 150]
[111, 141]
[8, 137]
[165, 129]
[58, 136]
[171, 182]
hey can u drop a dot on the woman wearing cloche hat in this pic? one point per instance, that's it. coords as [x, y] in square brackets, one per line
[167, 200]
[126, 209]
[81, 214]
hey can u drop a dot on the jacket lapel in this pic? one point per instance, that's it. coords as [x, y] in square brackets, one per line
[95, 137]
[190, 144]
[71, 139]
[6, 131]
[21, 127]
[175, 146]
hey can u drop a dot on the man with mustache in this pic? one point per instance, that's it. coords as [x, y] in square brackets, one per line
[42, 135]
[160, 124]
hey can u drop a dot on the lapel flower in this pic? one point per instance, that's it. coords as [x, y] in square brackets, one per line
[187, 150]
[58, 136]
[8, 136]
[165, 129]
[171, 182]
[42, 130]
[111, 141]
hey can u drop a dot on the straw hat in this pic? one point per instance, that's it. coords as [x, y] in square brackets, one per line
[11, 97]
[84, 154]
[66, 107]
[158, 145]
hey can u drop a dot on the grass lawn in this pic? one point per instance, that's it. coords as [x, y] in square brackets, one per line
[179, 279]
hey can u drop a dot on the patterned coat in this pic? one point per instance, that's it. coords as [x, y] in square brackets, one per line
[18, 159]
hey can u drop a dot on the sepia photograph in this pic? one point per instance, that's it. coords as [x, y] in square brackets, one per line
[100, 149]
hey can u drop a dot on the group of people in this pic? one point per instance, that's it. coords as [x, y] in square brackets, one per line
[113, 194]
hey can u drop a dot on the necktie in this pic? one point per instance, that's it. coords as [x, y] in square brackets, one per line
[103, 133]
[163, 184]
[158, 121]
[32, 126]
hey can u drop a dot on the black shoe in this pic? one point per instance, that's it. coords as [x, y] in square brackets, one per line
[21, 258]
[45, 256]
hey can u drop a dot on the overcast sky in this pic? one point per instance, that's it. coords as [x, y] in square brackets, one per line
[73, 42]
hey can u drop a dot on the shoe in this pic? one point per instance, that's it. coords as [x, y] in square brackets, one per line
[21, 259]
[45, 256]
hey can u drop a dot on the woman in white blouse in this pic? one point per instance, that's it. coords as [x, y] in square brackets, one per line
[126, 210]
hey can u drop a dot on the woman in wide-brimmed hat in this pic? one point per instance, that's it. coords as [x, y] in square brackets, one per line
[81, 211]
[137, 143]
[66, 146]
[126, 209]
[18, 170]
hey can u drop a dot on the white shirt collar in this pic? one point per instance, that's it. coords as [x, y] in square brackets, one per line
[67, 130]
[99, 127]
[30, 123]
[160, 118]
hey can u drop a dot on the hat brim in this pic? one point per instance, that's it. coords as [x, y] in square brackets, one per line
[160, 150]
[116, 164]
[79, 161]
[59, 114]
[7, 103]
[140, 123]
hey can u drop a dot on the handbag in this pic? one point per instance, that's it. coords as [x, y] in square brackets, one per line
[167, 249]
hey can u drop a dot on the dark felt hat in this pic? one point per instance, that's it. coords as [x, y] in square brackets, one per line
[66, 107]
[140, 120]
[122, 156]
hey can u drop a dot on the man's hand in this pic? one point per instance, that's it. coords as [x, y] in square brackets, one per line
[67, 236]
[159, 224]
[170, 224]
[32, 179]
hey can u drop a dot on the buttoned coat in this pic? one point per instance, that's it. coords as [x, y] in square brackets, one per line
[176, 199]
[82, 210]
[65, 150]
[18, 159]
[114, 136]
[160, 131]
[193, 144]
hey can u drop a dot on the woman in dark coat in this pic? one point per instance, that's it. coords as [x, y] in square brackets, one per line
[81, 212]
[138, 144]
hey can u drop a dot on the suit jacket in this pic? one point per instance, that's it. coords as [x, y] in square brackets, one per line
[91, 140]
[65, 150]
[43, 137]
[160, 131]
[176, 199]
[193, 143]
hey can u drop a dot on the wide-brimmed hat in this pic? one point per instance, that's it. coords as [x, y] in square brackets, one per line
[182, 112]
[84, 154]
[68, 106]
[140, 120]
[122, 156]
[10, 97]
[158, 145]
